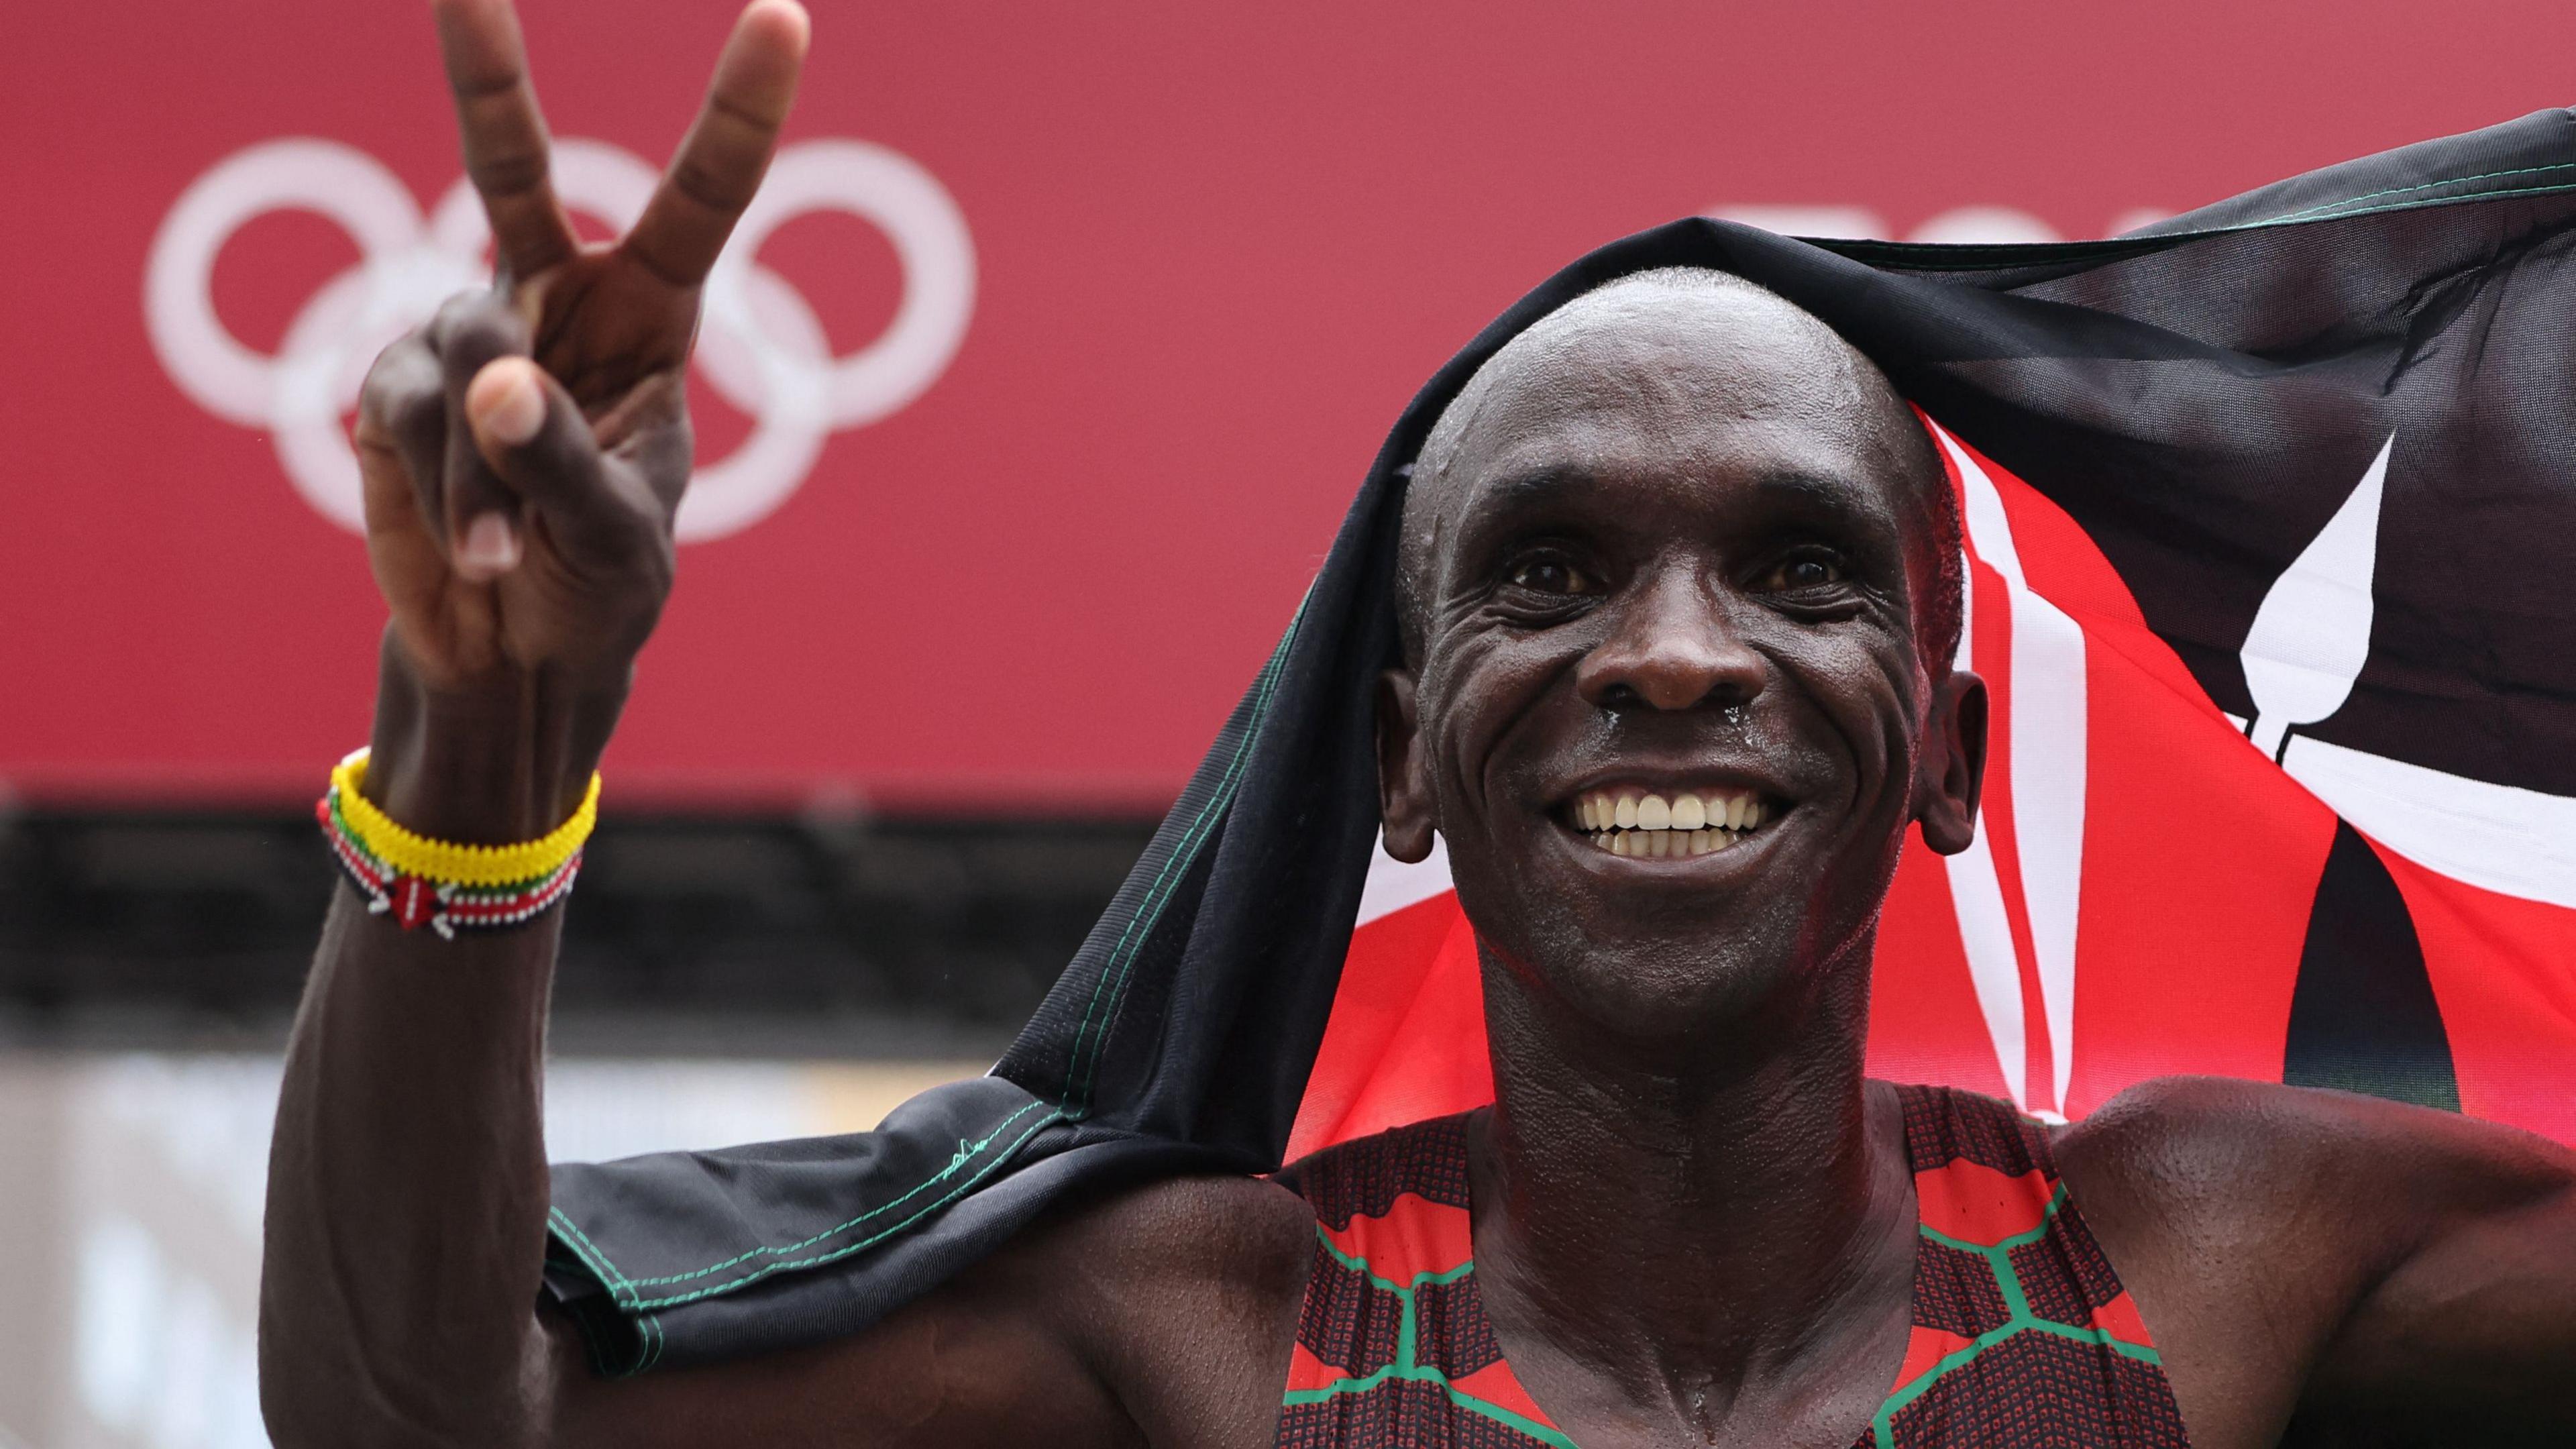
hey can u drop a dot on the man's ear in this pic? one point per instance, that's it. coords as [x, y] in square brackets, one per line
[1950, 773]
[1403, 792]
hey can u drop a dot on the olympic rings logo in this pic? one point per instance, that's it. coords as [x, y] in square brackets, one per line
[760, 344]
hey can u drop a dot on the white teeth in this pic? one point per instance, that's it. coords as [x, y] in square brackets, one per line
[1635, 824]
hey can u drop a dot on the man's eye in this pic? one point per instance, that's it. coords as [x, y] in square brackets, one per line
[1551, 576]
[1802, 573]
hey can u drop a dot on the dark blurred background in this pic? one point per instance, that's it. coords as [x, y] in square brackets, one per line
[817, 933]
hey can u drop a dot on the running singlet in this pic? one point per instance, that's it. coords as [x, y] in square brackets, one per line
[2022, 1335]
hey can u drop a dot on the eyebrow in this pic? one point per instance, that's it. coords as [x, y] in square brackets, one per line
[1532, 488]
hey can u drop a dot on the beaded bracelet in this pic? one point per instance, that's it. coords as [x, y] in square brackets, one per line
[448, 887]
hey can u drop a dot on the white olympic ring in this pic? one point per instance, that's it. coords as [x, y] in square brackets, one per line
[762, 347]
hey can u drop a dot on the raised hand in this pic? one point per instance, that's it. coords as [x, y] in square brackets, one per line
[523, 456]
[524, 452]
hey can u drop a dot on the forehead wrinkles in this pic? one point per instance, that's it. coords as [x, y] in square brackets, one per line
[1700, 348]
[1844, 395]
[1644, 345]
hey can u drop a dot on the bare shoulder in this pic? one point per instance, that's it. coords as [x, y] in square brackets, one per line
[2237, 1158]
[1181, 1295]
[1222, 1234]
[1154, 1313]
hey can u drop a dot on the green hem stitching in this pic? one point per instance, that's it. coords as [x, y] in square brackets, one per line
[1167, 880]
[1158, 896]
[586, 1250]
[2307, 213]
[968, 1153]
[2420, 205]
[641, 1304]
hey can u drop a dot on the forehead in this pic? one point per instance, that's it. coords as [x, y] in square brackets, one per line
[1685, 395]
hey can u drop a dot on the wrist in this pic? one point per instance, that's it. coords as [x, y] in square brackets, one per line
[505, 761]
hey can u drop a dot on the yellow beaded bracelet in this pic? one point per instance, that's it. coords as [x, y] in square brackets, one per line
[445, 863]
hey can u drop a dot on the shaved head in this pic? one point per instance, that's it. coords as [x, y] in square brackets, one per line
[1733, 323]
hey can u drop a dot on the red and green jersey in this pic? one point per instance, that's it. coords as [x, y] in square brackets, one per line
[2022, 1333]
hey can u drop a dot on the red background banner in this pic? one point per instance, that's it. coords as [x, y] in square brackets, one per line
[1213, 252]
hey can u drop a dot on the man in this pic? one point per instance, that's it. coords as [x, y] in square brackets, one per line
[1678, 596]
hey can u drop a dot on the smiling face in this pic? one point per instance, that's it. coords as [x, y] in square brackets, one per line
[1668, 561]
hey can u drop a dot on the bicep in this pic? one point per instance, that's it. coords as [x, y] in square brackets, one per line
[2475, 1322]
[962, 1368]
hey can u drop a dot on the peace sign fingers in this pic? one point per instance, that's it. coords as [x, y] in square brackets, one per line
[504, 135]
[720, 161]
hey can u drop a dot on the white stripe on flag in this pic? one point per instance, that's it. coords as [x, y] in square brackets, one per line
[1393, 885]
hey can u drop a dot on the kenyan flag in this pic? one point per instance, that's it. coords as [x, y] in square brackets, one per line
[2269, 518]
[2271, 527]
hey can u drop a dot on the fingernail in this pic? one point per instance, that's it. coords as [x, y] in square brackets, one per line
[490, 547]
[506, 402]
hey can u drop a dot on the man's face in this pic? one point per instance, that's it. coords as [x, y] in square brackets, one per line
[1676, 557]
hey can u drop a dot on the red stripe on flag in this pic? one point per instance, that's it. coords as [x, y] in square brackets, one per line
[1406, 1038]
[2504, 972]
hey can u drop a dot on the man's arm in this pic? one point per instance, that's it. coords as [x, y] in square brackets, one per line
[2336, 1268]
[1159, 1314]
[518, 505]
[523, 456]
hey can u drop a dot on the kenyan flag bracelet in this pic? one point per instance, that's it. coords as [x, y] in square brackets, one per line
[445, 886]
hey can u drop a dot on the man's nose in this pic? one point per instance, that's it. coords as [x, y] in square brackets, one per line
[1672, 648]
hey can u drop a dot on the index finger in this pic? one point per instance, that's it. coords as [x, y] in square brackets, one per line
[720, 161]
[506, 151]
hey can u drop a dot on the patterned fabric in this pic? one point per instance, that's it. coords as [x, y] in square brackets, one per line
[2023, 1336]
